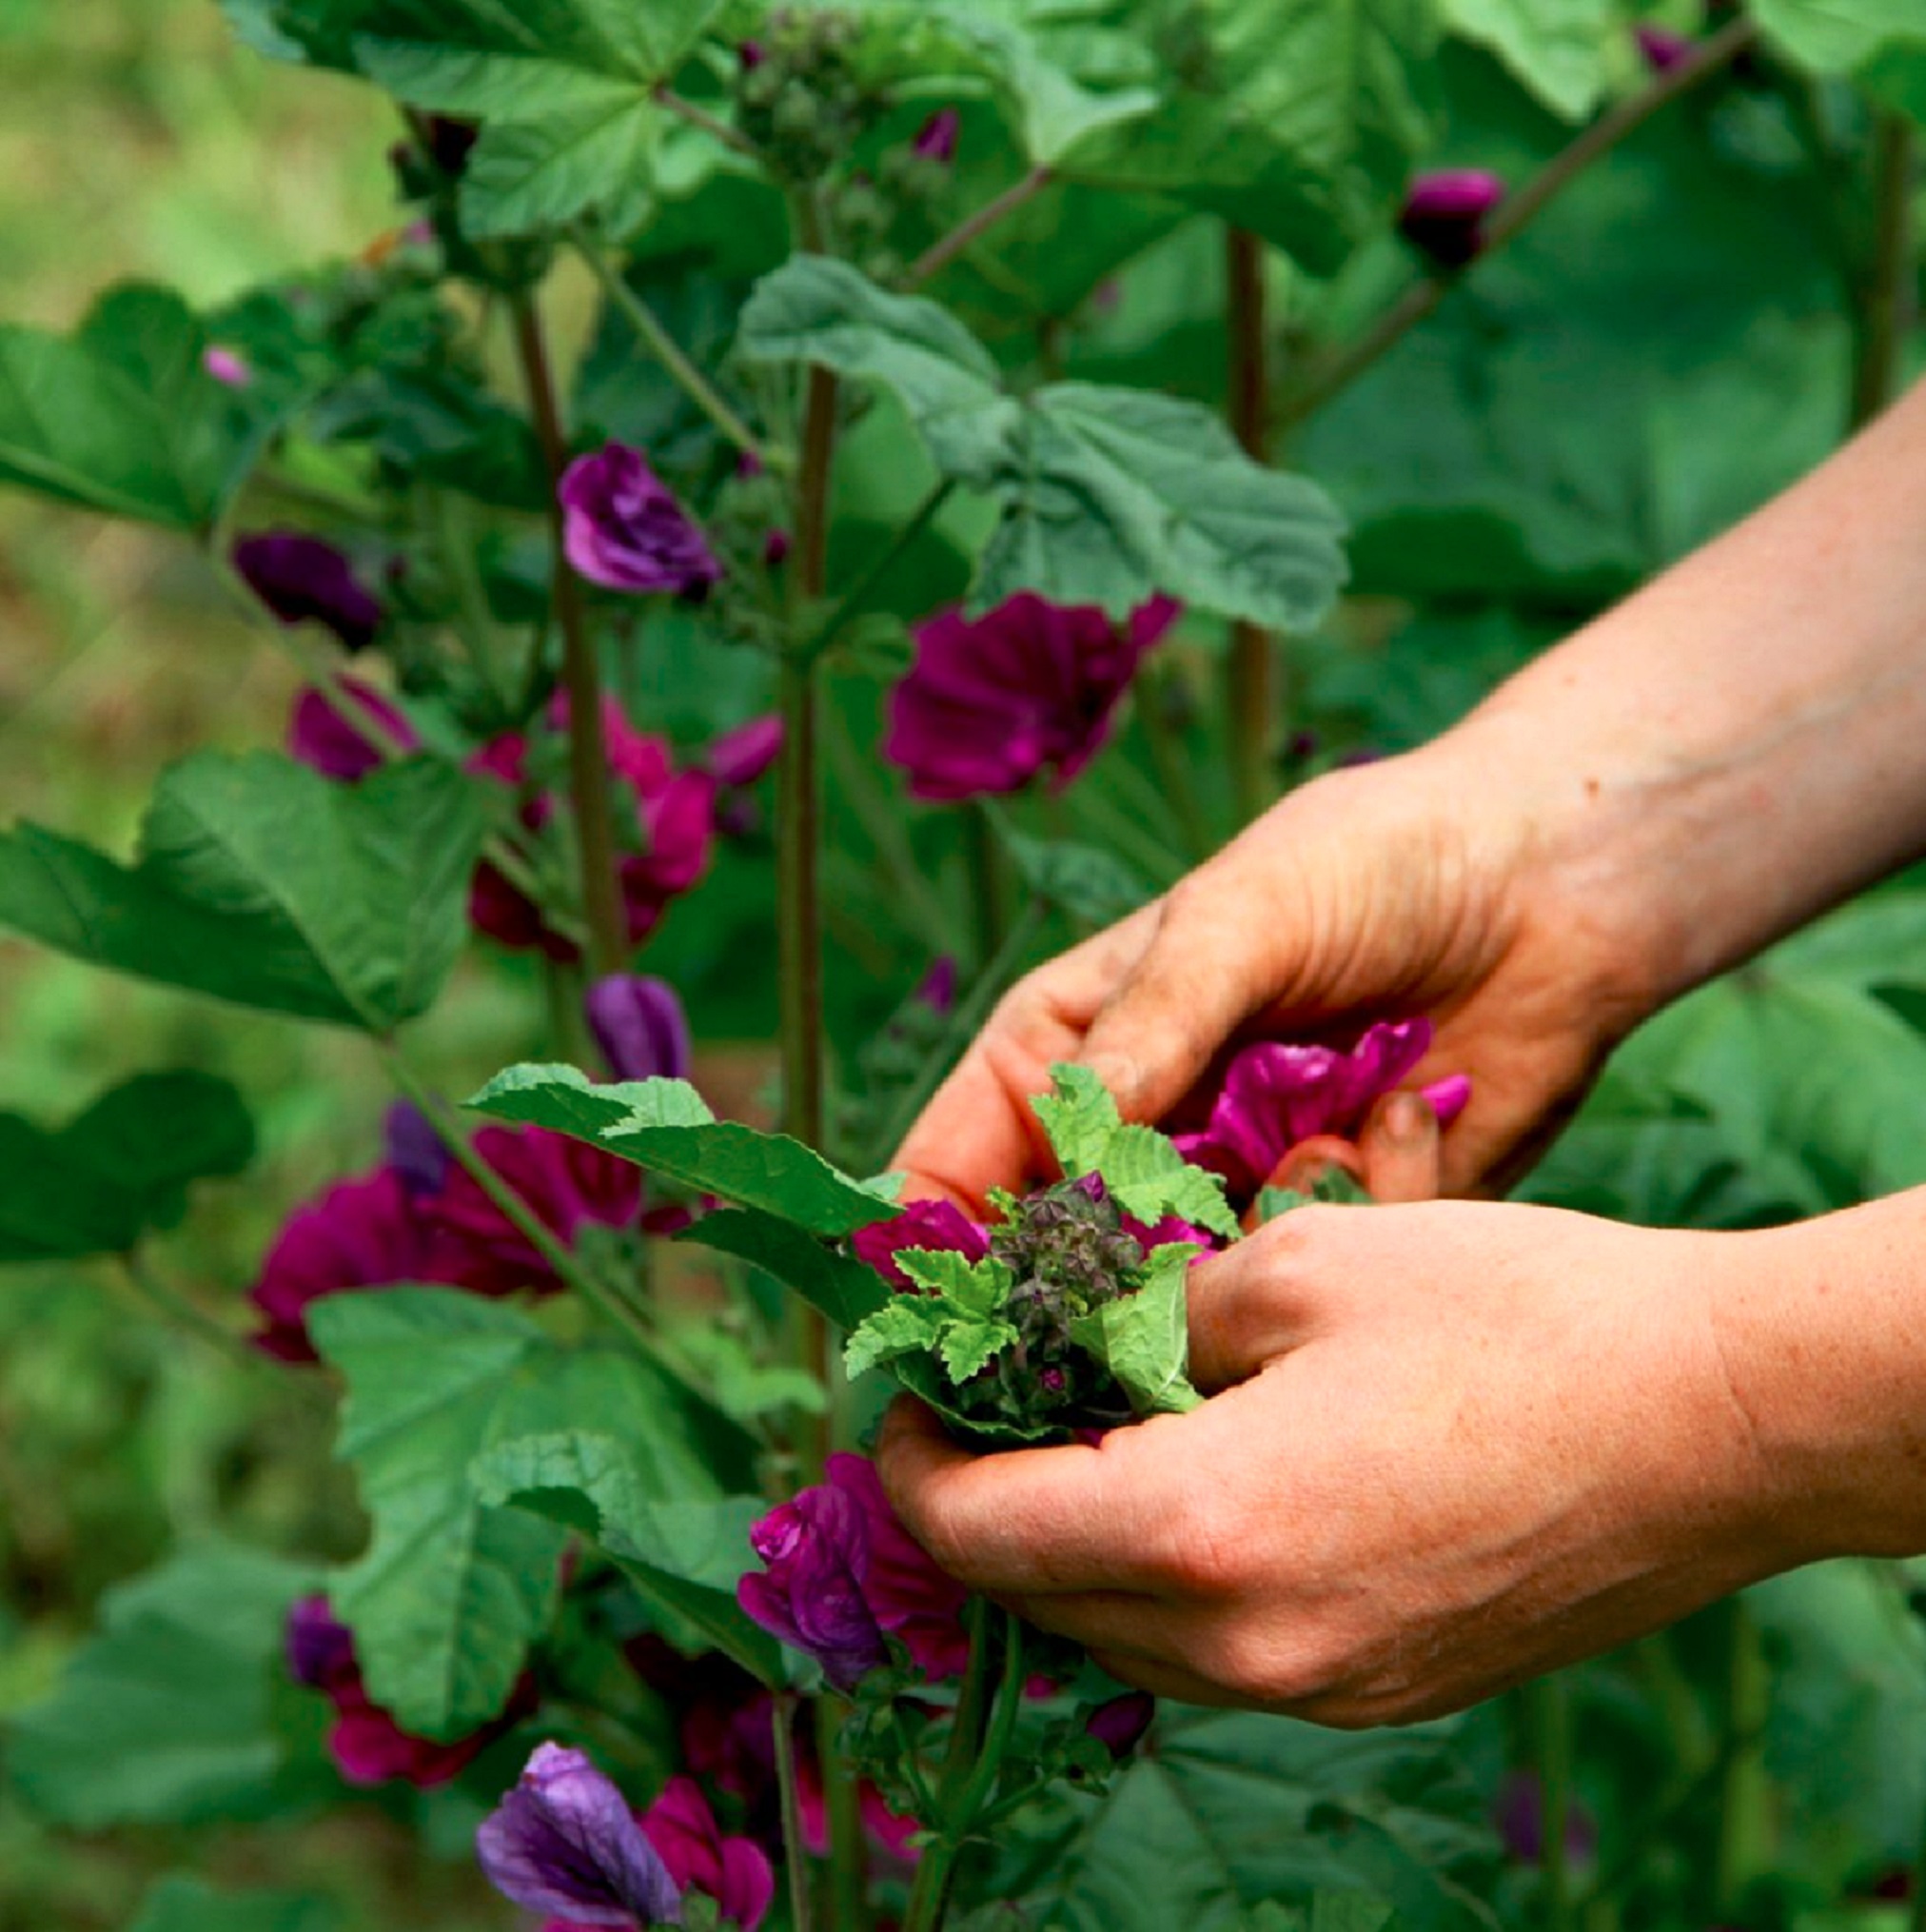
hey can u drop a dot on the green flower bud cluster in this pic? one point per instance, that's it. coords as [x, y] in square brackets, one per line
[801, 95]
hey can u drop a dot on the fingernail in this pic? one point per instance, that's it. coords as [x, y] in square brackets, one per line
[1408, 1118]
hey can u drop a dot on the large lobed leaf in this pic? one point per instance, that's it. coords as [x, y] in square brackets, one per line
[1106, 496]
[260, 882]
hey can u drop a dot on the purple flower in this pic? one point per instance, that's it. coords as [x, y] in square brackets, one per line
[1030, 686]
[1119, 1725]
[1519, 1817]
[740, 757]
[322, 740]
[1275, 1095]
[733, 1871]
[640, 1025]
[776, 549]
[936, 139]
[751, 55]
[299, 577]
[937, 988]
[414, 1151]
[1661, 47]
[839, 1572]
[225, 367]
[564, 1842]
[922, 1224]
[1445, 213]
[626, 530]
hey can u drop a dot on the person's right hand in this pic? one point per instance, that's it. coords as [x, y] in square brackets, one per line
[1407, 887]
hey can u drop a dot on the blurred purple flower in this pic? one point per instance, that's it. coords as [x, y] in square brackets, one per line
[1030, 686]
[626, 530]
[640, 1025]
[1120, 1725]
[776, 549]
[937, 988]
[936, 139]
[1445, 213]
[1275, 1095]
[1519, 1817]
[751, 55]
[227, 366]
[922, 1224]
[564, 1842]
[840, 1571]
[733, 1871]
[1662, 48]
[740, 757]
[321, 737]
[299, 577]
[414, 1151]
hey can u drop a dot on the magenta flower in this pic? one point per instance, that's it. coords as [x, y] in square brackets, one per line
[937, 988]
[840, 1571]
[624, 529]
[922, 1224]
[640, 1025]
[564, 1842]
[1276, 1095]
[1661, 48]
[322, 740]
[1519, 1817]
[936, 139]
[225, 367]
[740, 757]
[299, 577]
[366, 1745]
[1445, 213]
[1120, 1725]
[1032, 686]
[733, 1871]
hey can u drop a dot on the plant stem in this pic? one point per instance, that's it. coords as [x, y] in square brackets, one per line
[848, 1856]
[1744, 1797]
[667, 350]
[930, 1892]
[940, 254]
[685, 109]
[1251, 670]
[169, 1301]
[449, 515]
[1715, 52]
[794, 1858]
[1885, 309]
[989, 882]
[562, 994]
[588, 762]
[1548, 1703]
[856, 599]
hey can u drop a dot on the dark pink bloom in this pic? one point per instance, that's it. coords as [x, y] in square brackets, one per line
[889, 1832]
[1032, 686]
[639, 1023]
[922, 1224]
[624, 529]
[936, 139]
[564, 1842]
[366, 1745]
[299, 577]
[937, 988]
[751, 55]
[840, 1571]
[1445, 213]
[225, 367]
[322, 740]
[776, 549]
[1275, 1095]
[740, 757]
[1519, 1817]
[1661, 47]
[1119, 1725]
[733, 1871]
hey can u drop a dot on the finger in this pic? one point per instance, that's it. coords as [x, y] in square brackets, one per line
[1308, 1162]
[1402, 1149]
[1018, 1522]
[1160, 1680]
[1120, 1622]
[1250, 1304]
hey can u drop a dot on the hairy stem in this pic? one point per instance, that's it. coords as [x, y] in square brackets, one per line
[1712, 55]
[1886, 304]
[842, 1806]
[590, 794]
[684, 109]
[795, 1856]
[940, 253]
[1251, 670]
[856, 601]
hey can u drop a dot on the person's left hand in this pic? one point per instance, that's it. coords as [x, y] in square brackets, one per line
[1459, 1445]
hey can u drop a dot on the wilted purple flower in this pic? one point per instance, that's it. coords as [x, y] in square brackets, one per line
[936, 139]
[1119, 1725]
[733, 1871]
[1030, 686]
[564, 1842]
[937, 988]
[626, 530]
[922, 1224]
[320, 1645]
[225, 367]
[414, 1151]
[640, 1025]
[296, 577]
[320, 738]
[776, 549]
[840, 1570]
[1445, 213]
[1275, 1095]
[740, 757]
[1662, 48]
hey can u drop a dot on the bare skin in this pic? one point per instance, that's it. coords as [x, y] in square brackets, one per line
[1460, 1443]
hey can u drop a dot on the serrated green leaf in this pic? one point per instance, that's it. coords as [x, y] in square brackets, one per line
[450, 1592]
[967, 1346]
[1080, 1116]
[184, 1904]
[1106, 496]
[905, 1325]
[688, 1555]
[979, 1289]
[663, 1126]
[1144, 1339]
[843, 1288]
[166, 1714]
[123, 1167]
[1150, 1179]
[260, 882]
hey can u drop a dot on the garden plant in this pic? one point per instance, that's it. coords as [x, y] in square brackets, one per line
[809, 509]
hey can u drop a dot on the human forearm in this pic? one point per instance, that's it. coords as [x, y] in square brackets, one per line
[1743, 742]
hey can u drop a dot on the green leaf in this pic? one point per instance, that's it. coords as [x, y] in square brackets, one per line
[978, 1289]
[524, 175]
[166, 1715]
[1560, 48]
[686, 1555]
[97, 1184]
[845, 1289]
[1080, 1116]
[260, 882]
[664, 1126]
[184, 1904]
[1834, 36]
[1106, 496]
[450, 1593]
[122, 416]
[1088, 883]
[906, 1325]
[1144, 1339]
[967, 1346]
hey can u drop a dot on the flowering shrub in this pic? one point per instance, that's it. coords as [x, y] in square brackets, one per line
[887, 586]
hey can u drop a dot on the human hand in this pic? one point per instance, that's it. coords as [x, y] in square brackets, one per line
[1386, 891]
[1458, 1445]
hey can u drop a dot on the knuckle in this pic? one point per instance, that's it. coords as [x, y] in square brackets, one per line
[1208, 1552]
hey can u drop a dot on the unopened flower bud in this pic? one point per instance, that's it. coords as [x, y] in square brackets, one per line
[936, 139]
[1445, 213]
